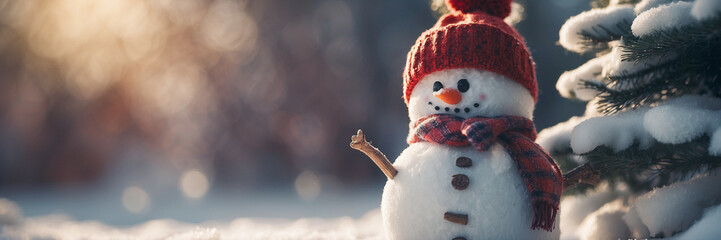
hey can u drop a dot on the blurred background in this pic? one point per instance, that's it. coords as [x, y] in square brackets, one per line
[128, 110]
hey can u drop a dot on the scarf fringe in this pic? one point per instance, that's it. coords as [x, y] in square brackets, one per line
[544, 216]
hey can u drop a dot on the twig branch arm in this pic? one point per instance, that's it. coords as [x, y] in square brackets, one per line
[581, 174]
[358, 142]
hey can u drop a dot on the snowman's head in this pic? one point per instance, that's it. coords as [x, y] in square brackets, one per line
[469, 92]
[471, 63]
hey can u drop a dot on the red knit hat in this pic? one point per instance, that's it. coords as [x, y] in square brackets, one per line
[472, 35]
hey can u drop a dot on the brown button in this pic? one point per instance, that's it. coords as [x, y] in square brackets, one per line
[456, 218]
[464, 162]
[460, 181]
[459, 238]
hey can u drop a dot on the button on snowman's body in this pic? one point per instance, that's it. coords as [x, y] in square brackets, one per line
[445, 192]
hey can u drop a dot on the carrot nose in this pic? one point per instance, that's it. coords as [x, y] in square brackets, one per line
[448, 95]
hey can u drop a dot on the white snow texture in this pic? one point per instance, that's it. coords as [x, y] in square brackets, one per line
[558, 137]
[577, 208]
[675, 208]
[673, 15]
[674, 121]
[645, 5]
[614, 213]
[60, 227]
[496, 201]
[569, 83]
[684, 119]
[605, 223]
[618, 132]
[607, 17]
[707, 227]
[705, 9]
[647, 17]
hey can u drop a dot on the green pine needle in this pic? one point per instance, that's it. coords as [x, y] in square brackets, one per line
[658, 165]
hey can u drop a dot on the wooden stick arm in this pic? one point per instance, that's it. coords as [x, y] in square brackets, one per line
[358, 142]
[581, 174]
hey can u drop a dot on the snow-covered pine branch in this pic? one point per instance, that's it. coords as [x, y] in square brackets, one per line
[669, 61]
[688, 210]
[668, 55]
[570, 84]
[593, 29]
[653, 120]
[664, 17]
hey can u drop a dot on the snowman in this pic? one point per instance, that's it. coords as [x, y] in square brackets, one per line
[471, 170]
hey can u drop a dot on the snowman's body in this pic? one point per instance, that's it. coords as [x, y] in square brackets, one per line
[495, 200]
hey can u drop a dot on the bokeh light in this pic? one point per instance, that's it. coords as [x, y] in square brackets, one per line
[194, 184]
[308, 186]
[136, 200]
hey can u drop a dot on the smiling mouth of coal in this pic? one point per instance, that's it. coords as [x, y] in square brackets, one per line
[456, 110]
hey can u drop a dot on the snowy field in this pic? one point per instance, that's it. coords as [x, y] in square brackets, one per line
[227, 215]
[601, 214]
[59, 227]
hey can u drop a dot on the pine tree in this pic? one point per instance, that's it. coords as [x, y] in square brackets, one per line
[653, 117]
[638, 73]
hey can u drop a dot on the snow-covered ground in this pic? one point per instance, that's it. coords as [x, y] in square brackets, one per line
[101, 214]
[60, 227]
[605, 213]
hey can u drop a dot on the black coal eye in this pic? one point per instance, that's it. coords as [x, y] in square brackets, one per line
[437, 86]
[463, 85]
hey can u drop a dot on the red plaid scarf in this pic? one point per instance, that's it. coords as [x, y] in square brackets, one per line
[538, 170]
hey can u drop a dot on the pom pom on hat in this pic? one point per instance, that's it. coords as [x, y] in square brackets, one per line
[498, 8]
